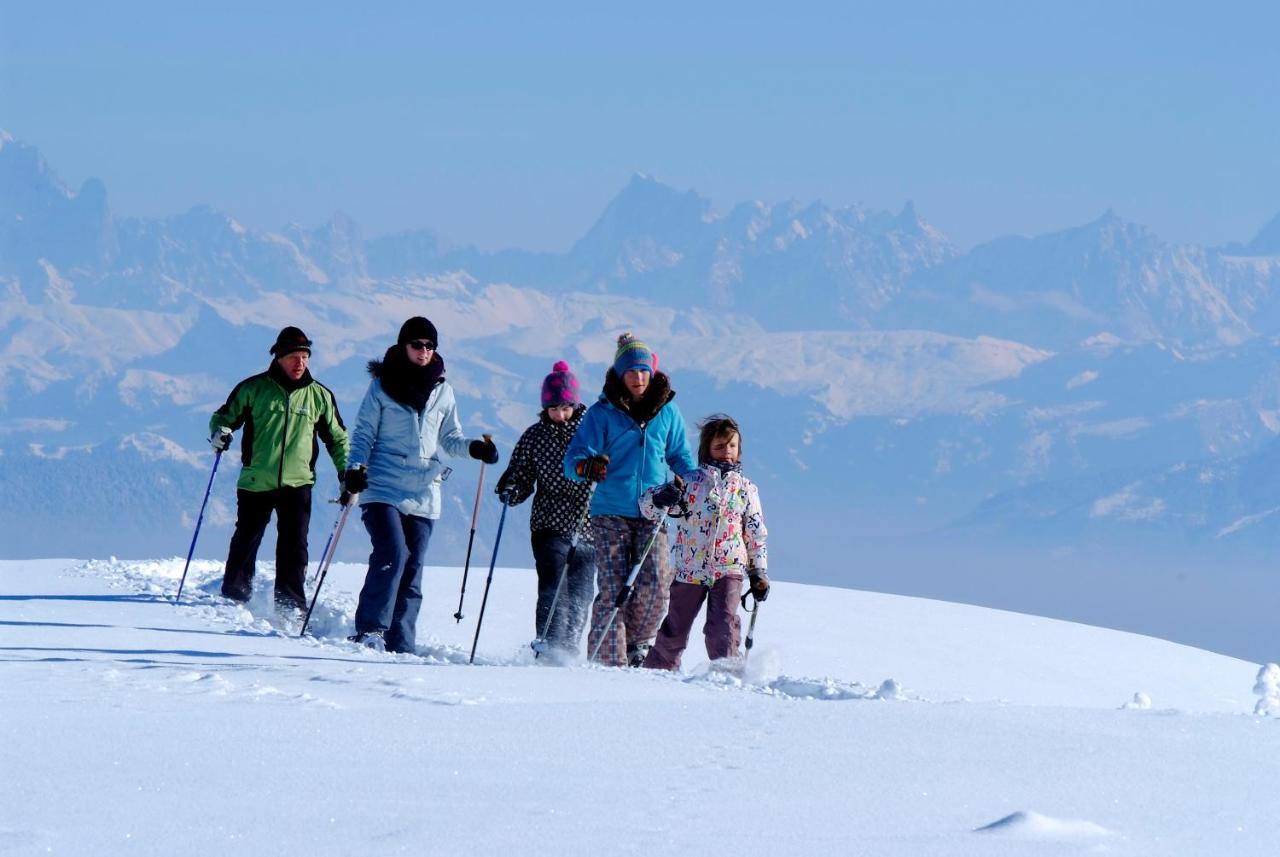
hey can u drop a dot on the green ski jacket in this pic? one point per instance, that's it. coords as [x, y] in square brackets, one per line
[281, 427]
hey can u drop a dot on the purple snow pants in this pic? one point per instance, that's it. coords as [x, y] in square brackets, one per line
[619, 542]
[721, 629]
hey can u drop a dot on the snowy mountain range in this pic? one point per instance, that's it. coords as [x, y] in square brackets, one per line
[1092, 386]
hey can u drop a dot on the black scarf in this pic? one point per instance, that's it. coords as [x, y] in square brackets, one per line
[406, 381]
[646, 408]
[725, 467]
[275, 373]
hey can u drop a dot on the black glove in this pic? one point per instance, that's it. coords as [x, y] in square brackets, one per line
[759, 587]
[593, 469]
[220, 440]
[355, 480]
[505, 490]
[346, 498]
[483, 450]
[667, 495]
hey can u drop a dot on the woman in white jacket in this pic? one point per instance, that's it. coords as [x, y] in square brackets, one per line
[408, 416]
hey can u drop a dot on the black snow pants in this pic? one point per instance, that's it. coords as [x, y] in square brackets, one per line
[293, 518]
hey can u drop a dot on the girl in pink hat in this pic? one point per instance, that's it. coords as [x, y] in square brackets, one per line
[559, 508]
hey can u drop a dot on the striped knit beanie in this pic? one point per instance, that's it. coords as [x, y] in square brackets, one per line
[560, 387]
[633, 354]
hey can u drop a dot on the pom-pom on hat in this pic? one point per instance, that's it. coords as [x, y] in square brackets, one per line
[633, 354]
[560, 387]
[289, 340]
[418, 328]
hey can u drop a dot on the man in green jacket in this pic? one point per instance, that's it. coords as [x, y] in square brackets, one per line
[283, 411]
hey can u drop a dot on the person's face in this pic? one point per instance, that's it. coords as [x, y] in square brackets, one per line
[420, 351]
[294, 364]
[725, 448]
[636, 381]
[560, 413]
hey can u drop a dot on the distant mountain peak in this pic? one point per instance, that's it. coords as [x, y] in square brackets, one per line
[643, 191]
[1267, 241]
[646, 210]
[24, 171]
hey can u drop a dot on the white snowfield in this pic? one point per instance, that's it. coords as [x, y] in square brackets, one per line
[865, 724]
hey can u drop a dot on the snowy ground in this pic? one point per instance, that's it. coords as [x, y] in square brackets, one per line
[867, 724]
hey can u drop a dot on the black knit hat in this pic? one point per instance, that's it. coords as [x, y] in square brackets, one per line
[291, 339]
[418, 328]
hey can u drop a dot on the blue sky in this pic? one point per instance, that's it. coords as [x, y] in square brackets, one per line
[514, 124]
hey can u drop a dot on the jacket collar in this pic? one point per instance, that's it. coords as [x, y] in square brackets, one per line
[654, 399]
[275, 373]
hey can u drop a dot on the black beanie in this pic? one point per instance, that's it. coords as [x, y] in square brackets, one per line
[289, 340]
[418, 328]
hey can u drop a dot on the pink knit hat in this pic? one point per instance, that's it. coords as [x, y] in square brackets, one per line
[560, 387]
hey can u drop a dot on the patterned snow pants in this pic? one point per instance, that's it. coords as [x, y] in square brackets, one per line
[619, 542]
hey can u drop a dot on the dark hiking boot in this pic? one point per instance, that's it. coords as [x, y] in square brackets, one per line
[235, 593]
[370, 640]
[636, 654]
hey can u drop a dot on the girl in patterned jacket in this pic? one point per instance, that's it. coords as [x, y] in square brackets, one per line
[537, 462]
[720, 538]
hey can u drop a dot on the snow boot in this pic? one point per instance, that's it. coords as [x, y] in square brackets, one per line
[637, 653]
[370, 640]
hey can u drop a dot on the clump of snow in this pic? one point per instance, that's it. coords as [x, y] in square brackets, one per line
[1267, 687]
[825, 689]
[1033, 825]
[1140, 702]
[890, 689]
[762, 666]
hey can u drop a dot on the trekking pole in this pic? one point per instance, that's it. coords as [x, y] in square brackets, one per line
[624, 595]
[751, 626]
[217, 456]
[540, 644]
[497, 540]
[475, 512]
[329, 540]
[326, 561]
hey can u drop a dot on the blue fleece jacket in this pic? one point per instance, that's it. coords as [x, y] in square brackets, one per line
[643, 442]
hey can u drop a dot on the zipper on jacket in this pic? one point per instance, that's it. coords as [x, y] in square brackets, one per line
[644, 434]
[284, 438]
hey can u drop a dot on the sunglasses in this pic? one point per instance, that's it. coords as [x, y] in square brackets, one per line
[422, 345]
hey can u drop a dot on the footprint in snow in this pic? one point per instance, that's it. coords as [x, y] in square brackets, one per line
[1033, 825]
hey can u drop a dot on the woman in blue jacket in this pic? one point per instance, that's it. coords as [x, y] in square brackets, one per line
[407, 417]
[628, 441]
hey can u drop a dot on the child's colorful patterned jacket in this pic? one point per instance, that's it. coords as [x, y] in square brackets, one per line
[724, 534]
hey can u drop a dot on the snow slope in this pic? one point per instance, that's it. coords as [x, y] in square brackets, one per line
[866, 724]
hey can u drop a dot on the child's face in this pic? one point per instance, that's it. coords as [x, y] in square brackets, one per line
[636, 381]
[560, 413]
[725, 447]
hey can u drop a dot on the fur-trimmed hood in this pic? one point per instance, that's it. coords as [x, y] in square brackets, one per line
[654, 399]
